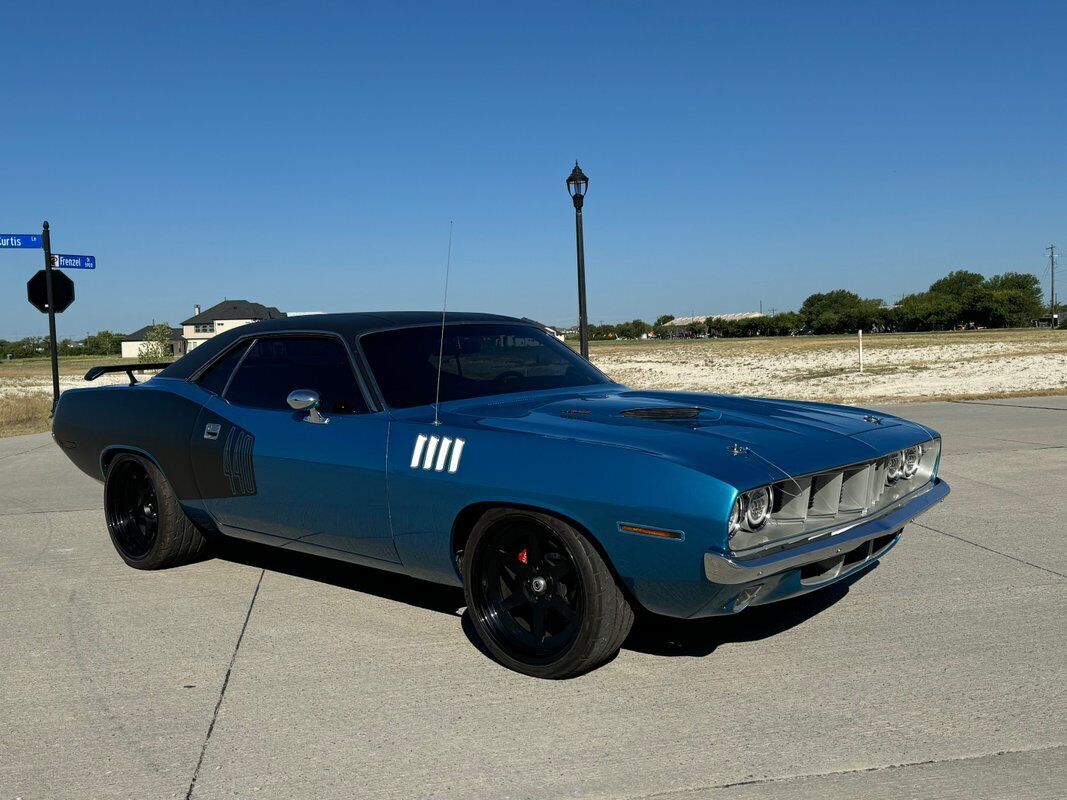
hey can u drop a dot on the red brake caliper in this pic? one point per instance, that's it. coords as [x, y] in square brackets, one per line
[522, 556]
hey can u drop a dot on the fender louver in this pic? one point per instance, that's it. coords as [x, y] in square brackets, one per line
[662, 413]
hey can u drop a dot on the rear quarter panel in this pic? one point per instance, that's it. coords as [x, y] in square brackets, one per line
[155, 417]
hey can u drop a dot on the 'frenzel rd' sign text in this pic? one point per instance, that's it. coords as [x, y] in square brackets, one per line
[21, 240]
[73, 262]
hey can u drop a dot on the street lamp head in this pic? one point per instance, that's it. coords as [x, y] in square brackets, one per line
[577, 183]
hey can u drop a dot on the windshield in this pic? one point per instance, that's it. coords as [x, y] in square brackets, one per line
[478, 361]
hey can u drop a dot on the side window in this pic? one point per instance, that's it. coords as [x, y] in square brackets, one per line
[275, 366]
[214, 380]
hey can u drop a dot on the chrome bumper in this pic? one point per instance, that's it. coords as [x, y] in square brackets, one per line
[729, 570]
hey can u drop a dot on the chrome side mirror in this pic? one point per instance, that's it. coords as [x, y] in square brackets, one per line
[307, 400]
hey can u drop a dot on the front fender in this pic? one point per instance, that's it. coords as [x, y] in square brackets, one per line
[596, 486]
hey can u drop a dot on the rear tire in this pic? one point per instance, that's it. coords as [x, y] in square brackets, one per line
[144, 518]
[540, 597]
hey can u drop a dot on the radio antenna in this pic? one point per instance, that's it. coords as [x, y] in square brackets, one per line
[441, 347]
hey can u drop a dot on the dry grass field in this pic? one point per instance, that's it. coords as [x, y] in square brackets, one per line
[26, 389]
[897, 368]
[42, 367]
[26, 413]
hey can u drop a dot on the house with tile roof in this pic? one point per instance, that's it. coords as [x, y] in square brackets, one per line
[131, 345]
[224, 316]
[203, 325]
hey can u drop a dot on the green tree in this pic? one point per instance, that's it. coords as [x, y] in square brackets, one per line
[1012, 299]
[661, 327]
[926, 311]
[103, 343]
[631, 330]
[826, 322]
[157, 344]
[784, 324]
[842, 311]
[639, 328]
[29, 347]
[962, 285]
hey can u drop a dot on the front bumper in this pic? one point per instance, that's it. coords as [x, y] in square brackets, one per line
[729, 570]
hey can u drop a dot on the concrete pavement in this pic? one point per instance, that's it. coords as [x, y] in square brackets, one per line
[941, 673]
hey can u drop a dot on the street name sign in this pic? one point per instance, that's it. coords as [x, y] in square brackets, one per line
[21, 240]
[73, 262]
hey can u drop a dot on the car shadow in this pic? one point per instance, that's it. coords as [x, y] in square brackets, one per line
[652, 634]
[343, 574]
[666, 636]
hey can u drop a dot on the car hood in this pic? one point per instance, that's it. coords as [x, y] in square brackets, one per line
[744, 441]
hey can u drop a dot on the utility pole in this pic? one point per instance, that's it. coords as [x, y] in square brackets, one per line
[1052, 288]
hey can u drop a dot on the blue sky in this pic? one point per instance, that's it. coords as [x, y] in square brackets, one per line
[310, 156]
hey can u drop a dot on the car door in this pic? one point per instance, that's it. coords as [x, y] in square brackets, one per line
[266, 469]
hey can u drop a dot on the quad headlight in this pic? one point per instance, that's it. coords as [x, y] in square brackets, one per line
[751, 510]
[736, 515]
[758, 509]
[894, 467]
[911, 461]
[904, 464]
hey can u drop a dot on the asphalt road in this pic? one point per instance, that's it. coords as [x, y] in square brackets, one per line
[941, 673]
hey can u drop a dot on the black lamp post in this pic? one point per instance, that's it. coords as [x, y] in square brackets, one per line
[577, 183]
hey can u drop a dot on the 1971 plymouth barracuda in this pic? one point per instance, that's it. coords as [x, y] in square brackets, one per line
[559, 499]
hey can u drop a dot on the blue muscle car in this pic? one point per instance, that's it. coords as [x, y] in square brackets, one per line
[559, 499]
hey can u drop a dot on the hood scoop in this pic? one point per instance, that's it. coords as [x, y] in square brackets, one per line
[662, 413]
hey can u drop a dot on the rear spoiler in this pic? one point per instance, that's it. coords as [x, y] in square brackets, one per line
[129, 369]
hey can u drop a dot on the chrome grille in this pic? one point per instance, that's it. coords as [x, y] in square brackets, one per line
[807, 504]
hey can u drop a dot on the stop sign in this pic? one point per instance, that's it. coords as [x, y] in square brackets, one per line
[62, 291]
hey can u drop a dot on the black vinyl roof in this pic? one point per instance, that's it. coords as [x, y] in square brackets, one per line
[348, 326]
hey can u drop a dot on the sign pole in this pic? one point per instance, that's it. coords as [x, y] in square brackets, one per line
[47, 242]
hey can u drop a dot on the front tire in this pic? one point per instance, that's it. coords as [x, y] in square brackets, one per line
[540, 597]
[146, 522]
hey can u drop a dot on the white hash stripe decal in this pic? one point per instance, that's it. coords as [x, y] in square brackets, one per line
[431, 449]
[453, 465]
[416, 457]
[442, 454]
[436, 452]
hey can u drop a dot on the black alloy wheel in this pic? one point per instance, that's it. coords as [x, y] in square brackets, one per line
[539, 595]
[145, 519]
[132, 510]
[529, 592]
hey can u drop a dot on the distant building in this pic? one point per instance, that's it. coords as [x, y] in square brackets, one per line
[682, 322]
[224, 316]
[680, 325]
[131, 345]
[200, 327]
